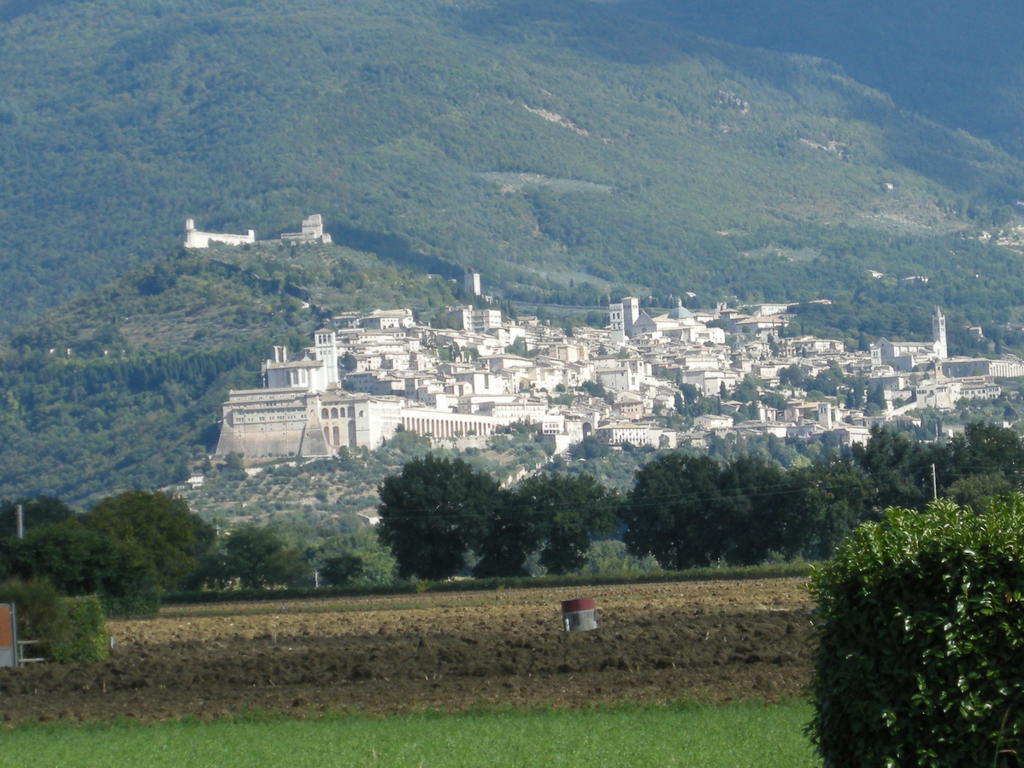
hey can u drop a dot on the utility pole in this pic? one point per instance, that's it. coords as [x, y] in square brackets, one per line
[935, 485]
[20, 517]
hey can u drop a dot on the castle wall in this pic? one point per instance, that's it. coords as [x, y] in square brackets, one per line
[260, 442]
[195, 238]
[312, 231]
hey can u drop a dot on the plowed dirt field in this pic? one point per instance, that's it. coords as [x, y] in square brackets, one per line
[710, 641]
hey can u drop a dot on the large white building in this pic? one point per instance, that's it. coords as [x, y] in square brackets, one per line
[906, 355]
[312, 232]
[475, 320]
[264, 423]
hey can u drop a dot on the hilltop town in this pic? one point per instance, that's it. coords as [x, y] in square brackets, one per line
[727, 371]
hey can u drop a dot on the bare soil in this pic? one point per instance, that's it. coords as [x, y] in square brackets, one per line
[709, 641]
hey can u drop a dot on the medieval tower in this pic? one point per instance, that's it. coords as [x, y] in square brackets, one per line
[939, 334]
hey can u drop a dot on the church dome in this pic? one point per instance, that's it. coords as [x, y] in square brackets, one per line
[680, 312]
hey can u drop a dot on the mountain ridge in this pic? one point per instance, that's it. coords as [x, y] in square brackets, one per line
[384, 116]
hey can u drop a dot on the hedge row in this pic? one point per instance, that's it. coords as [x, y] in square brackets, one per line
[782, 570]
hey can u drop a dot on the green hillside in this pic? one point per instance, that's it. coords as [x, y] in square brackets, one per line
[123, 388]
[563, 149]
[226, 295]
[960, 64]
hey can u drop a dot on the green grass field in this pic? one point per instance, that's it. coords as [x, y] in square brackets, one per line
[736, 736]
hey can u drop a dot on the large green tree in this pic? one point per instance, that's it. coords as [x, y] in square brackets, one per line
[899, 468]
[433, 513]
[78, 560]
[159, 524]
[507, 537]
[757, 515]
[693, 511]
[833, 497]
[671, 511]
[341, 569]
[985, 449]
[259, 558]
[567, 512]
[376, 564]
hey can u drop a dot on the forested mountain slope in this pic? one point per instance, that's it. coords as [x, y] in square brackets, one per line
[565, 149]
[960, 64]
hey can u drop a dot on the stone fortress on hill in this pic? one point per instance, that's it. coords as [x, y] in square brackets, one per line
[312, 231]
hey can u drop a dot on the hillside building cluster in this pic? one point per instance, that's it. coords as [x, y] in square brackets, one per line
[371, 374]
[312, 231]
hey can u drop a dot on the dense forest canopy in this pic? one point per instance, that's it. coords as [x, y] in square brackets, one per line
[563, 149]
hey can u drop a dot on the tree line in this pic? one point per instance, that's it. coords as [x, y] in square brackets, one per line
[135, 546]
[440, 517]
[127, 549]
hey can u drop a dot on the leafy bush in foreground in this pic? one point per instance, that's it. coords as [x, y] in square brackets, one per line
[85, 638]
[921, 632]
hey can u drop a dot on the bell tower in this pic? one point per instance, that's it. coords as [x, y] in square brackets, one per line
[939, 334]
[327, 352]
